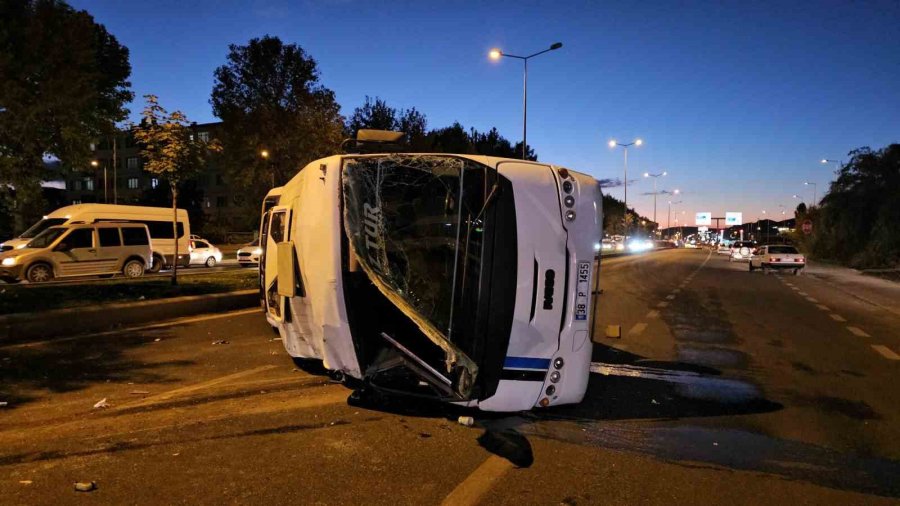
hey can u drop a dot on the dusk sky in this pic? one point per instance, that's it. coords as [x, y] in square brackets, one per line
[737, 103]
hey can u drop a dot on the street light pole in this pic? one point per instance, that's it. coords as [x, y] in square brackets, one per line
[655, 177]
[496, 54]
[669, 219]
[613, 144]
[815, 192]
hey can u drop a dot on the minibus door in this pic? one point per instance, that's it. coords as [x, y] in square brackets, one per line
[279, 226]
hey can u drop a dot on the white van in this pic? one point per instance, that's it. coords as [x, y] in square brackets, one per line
[157, 219]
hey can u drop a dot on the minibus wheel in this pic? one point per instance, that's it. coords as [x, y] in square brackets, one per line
[133, 269]
[39, 273]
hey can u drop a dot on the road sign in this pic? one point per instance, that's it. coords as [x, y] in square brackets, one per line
[807, 227]
[732, 218]
[703, 219]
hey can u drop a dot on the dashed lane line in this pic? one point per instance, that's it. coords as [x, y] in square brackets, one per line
[677, 290]
[823, 307]
[638, 329]
[837, 317]
[670, 297]
[662, 304]
[477, 484]
[885, 352]
[652, 314]
[814, 301]
[858, 331]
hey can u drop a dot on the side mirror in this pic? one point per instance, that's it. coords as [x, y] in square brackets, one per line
[62, 247]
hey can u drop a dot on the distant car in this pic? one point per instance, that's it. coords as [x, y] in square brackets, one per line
[723, 248]
[248, 256]
[204, 253]
[778, 257]
[741, 251]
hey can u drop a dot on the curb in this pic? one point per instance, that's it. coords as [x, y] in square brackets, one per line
[71, 321]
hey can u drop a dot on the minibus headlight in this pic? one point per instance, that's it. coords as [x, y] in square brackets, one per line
[558, 362]
[554, 376]
[569, 201]
[9, 261]
[567, 186]
[550, 390]
[570, 215]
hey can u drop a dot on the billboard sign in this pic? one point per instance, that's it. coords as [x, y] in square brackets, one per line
[703, 219]
[702, 229]
[734, 218]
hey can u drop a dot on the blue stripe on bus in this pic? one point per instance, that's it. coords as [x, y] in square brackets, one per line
[526, 363]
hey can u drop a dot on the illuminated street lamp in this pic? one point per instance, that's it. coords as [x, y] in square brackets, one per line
[838, 163]
[655, 177]
[495, 54]
[612, 144]
[95, 164]
[264, 153]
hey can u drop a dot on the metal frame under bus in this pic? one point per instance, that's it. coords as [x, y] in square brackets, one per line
[465, 278]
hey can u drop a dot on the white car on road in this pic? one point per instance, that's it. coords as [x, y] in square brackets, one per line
[204, 253]
[249, 254]
[777, 257]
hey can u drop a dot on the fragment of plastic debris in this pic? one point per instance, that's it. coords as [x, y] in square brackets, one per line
[85, 486]
[467, 421]
[101, 404]
[221, 341]
[139, 392]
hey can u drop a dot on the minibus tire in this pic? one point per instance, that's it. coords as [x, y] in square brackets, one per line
[156, 265]
[133, 269]
[34, 270]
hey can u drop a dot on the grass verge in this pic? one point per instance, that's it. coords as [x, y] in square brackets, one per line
[26, 299]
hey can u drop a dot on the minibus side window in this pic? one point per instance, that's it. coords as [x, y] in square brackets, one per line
[277, 229]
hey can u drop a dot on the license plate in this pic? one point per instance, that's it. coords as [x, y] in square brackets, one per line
[582, 290]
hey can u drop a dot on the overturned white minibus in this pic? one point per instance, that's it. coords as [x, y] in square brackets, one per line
[466, 278]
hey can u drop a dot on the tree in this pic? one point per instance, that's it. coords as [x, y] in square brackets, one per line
[171, 151]
[269, 97]
[63, 83]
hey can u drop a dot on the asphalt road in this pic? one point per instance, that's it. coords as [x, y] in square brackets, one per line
[726, 388]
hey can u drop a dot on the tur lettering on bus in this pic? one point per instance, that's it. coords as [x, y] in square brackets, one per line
[371, 224]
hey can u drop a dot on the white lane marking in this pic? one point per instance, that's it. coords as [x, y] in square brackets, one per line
[171, 323]
[165, 396]
[794, 288]
[670, 297]
[814, 301]
[822, 307]
[837, 317]
[858, 331]
[477, 484]
[804, 294]
[885, 352]
[662, 304]
[637, 329]
[652, 314]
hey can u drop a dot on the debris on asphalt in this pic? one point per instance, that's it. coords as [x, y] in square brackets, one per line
[85, 486]
[467, 421]
[221, 341]
[157, 340]
[653, 401]
[102, 404]
[142, 297]
[3, 404]
[139, 392]
[424, 435]
[25, 482]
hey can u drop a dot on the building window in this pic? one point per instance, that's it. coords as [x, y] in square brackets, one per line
[131, 162]
[221, 201]
[203, 136]
[154, 182]
[88, 184]
[77, 184]
[133, 183]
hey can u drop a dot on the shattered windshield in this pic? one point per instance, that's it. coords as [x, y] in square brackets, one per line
[414, 222]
